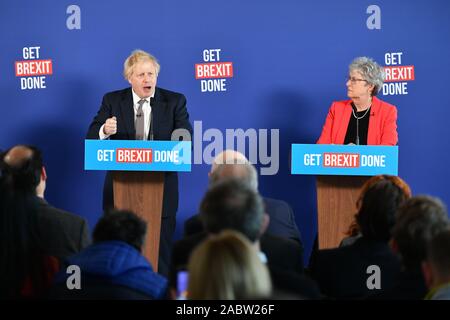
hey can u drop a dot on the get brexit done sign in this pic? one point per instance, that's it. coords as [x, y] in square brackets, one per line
[323, 159]
[137, 155]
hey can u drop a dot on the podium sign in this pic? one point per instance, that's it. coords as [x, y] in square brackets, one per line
[137, 155]
[347, 160]
[341, 170]
[138, 178]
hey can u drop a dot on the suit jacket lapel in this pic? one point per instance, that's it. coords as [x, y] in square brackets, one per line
[126, 106]
[158, 107]
[347, 113]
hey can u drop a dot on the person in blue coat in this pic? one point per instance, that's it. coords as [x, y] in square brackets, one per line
[113, 267]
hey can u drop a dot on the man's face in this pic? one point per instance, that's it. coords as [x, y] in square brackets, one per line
[143, 78]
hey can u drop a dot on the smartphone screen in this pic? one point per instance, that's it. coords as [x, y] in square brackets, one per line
[182, 284]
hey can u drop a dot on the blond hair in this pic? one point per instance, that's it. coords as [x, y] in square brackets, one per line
[227, 267]
[135, 57]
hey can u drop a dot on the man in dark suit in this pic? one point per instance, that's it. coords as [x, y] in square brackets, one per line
[233, 164]
[233, 204]
[144, 112]
[61, 233]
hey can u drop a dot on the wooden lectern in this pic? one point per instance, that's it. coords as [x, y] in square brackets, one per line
[336, 207]
[341, 171]
[142, 193]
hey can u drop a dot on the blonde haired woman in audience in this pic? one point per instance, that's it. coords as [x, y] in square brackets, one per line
[227, 267]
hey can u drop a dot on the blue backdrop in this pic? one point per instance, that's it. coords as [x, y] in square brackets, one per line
[289, 58]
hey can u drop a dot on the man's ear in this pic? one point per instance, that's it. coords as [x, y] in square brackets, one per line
[264, 224]
[43, 174]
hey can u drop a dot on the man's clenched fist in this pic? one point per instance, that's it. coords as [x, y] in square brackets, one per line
[110, 127]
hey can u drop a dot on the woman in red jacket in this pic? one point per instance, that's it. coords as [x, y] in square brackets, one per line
[364, 119]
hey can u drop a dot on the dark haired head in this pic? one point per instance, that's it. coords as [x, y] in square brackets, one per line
[378, 205]
[21, 254]
[438, 253]
[121, 225]
[419, 219]
[233, 204]
[22, 167]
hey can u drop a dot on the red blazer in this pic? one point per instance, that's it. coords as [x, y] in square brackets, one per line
[382, 124]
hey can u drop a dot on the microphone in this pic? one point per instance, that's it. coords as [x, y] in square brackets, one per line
[138, 115]
[357, 124]
[357, 132]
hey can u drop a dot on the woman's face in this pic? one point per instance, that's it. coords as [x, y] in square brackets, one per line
[357, 86]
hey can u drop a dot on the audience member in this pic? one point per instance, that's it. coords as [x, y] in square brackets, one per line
[419, 219]
[113, 266]
[233, 164]
[436, 268]
[26, 270]
[343, 272]
[61, 233]
[354, 231]
[232, 204]
[227, 267]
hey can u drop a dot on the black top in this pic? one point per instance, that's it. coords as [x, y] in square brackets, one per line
[363, 127]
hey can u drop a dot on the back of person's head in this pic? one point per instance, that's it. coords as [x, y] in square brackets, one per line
[22, 168]
[438, 255]
[227, 267]
[121, 225]
[21, 255]
[245, 172]
[419, 219]
[232, 204]
[228, 156]
[377, 206]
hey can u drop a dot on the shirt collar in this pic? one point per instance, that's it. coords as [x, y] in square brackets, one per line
[136, 98]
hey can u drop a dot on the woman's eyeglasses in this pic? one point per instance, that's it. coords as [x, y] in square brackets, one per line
[354, 80]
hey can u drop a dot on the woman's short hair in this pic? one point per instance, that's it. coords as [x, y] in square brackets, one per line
[227, 267]
[371, 71]
[135, 57]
